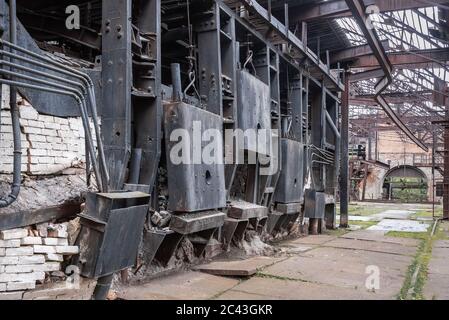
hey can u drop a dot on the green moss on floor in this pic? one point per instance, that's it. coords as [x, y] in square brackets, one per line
[428, 213]
[441, 234]
[336, 232]
[412, 235]
[363, 224]
[357, 210]
[416, 276]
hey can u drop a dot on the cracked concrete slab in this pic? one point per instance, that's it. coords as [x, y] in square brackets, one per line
[314, 239]
[181, 286]
[323, 254]
[295, 249]
[440, 253]
[438, 266]
[379, 236]
[238, 268]
[340, 274]
[393, 214]
[437, 287]
[241, 295]
[391, 248]
[359, 218]
[269, 288]
[441, 244]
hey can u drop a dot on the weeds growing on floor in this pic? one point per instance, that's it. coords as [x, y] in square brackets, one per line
[416, 276]
[355, 210]
[363, 224]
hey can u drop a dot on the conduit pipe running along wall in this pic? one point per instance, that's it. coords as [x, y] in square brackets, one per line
[52, 65]
[81, 94]
[87, 89]
[69, 92]
[15, 119]
[357, 8]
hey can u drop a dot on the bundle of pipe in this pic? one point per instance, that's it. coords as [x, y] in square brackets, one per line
[82, 91]
[15, 187]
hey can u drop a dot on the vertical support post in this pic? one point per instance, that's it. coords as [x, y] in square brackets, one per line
[269, 10]
[209, 61]
[365, 178]
[147, 103]
[434, 143]
[176, 82]
[370, 144]
[317, 138]
[117, 81]
[296, 103]
[304, 33]
[286, 18]
[229, 61]
[344, 162]
[446, 172]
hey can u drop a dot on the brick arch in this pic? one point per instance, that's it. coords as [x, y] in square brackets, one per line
[406, 171]
[403, 170]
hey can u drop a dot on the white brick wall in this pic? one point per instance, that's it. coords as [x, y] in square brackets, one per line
[49, 144]
[23, 262]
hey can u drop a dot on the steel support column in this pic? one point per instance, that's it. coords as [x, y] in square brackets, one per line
[117, 82]
[446, 168]
[209, 62]
[116, 112]
[344, 164]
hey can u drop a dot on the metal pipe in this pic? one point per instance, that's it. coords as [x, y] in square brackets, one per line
[91, 96]
[70, 92]
[75, 72]
[74, 83]
[102, 288]
[344, 161]
[332, 125]
[61, 68]
[358, 10]
[15, 119]
[176, 82]
[41, 73]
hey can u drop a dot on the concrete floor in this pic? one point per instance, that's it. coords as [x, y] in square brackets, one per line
[316, 267]
[437, 285]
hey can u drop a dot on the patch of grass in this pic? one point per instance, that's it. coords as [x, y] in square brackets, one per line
[427, 213]
[412, 235]
[336, 232]
[441, 234]
[271, 276]
[422, 214]
[363, 224]
[416, 276]
[358, 210]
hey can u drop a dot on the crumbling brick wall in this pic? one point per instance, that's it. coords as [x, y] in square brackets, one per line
[30, 256]
[49, 144]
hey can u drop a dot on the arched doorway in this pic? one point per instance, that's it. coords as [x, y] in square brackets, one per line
[405, 183]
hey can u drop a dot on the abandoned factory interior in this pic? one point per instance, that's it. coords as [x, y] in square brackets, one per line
[224, 149]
